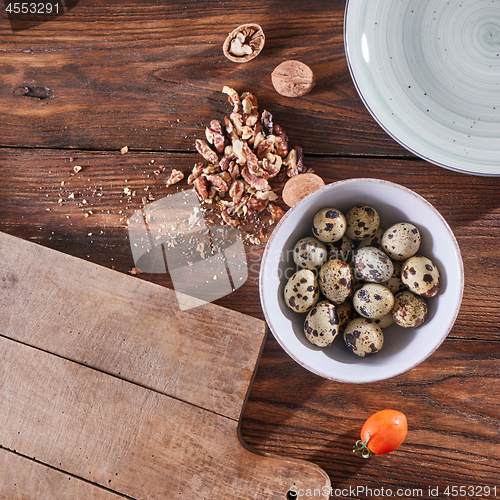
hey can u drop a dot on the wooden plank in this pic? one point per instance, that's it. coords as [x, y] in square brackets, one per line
[131, 439]
[23, 478]
[127, 327]
[150, 76]
[452, 403]
[30, 181]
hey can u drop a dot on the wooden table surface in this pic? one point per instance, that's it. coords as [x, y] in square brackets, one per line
[148, 75]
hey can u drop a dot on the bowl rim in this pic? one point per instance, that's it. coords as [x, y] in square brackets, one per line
[315, 193]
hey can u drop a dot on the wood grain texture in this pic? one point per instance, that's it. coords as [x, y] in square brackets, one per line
[204, 355]
[140, 443]
[451, 402]
[23, 478]
[149, 75]
[31, 180]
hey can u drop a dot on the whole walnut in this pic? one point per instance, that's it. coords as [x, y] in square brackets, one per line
[293, 79]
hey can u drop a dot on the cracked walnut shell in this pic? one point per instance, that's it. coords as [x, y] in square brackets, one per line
[244, 43]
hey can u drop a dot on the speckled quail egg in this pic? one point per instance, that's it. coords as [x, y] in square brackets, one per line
[394, 283]
[345, 313]
[385, 321]
[401, 241]
[409, 310]
[373, 301]
[335, 280]
[309, 253]
[373, 241]
[362, 222]
[356, 285]
[322, 324]
[329, 225]
[363, 337]
[340, 249]
[372, 265]
[421, 276]
[302, 291]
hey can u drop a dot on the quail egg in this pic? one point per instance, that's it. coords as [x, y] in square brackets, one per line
[302, 291]
[394, 283]
[373, 241]
[409, 310]
[362, 222]
[335, 280]
[373, 301]
[341, 249]
[329, 225]
[345, 313]
[363, 337]
[372, 265]
[356, 285]
[401, 241]
[385, 321]
[322, 324]
[421, 276]
[309, 253]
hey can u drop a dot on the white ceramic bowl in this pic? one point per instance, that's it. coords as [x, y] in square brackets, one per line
[429, 73]
[403, 348]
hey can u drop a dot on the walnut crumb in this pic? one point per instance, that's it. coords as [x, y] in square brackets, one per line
[135, 271]
[276, 212]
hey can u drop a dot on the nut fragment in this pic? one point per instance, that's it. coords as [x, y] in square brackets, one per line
[293, 79]
[234, 99]
[276, 212]
[204, 149]
[242, 153]
[228, 219]
[270, 168]
[175, 177]
[281, 141]
[215, 136]
[197, 170]
[238, 46]
[256, 205]
[244, 43]
[217, 182]
[255, 181]
[201, 187]
[236, 190]
[294, 162]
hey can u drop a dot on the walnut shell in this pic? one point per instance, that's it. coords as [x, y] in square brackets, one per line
[244, 43]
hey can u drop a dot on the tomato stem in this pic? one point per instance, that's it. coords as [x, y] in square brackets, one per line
[362, 447]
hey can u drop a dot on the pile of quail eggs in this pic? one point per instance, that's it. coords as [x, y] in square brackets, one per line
[355, 279]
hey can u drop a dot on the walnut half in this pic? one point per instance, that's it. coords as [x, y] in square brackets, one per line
[244, 43]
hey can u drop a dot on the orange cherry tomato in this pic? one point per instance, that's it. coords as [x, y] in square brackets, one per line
[382, 433]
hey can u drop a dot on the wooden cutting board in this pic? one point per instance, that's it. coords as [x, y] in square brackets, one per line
[109, 390]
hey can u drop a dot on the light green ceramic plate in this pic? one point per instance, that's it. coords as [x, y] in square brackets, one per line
[429, 73]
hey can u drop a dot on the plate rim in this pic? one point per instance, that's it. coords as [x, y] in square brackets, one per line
[384, 127]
